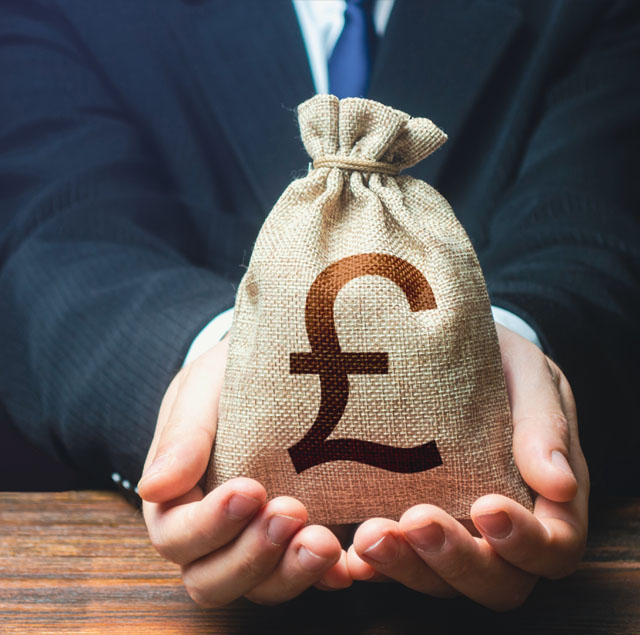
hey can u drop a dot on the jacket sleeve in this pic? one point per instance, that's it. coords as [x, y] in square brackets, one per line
[564, 249]
[100, 291]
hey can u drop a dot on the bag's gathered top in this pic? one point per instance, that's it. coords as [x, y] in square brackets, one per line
[363, 135]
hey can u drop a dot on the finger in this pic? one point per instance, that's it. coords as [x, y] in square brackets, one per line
[191, 526]
[380, 543]
[336, 577]
[183, 445]
[468, 564]
[310, 554]
[361, 570]
[234, 570]
[576, 457]
[541, 429]
[550, 546]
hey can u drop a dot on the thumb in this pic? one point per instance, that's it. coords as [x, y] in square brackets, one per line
[185, 431]
[542, 427]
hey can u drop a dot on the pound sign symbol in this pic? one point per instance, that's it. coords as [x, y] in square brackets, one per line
[327, 360]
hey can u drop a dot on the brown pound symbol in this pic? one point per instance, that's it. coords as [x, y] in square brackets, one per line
[327, 360]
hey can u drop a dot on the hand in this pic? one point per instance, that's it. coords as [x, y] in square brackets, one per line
[231, 542]
[429, 551]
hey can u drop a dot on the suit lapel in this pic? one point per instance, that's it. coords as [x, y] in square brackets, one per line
[254, 77]
[435, 59]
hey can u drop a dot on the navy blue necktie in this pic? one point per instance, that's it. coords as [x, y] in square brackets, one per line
[350, 62]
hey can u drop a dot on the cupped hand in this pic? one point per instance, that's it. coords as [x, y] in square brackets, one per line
[231, 542]
[498, 563]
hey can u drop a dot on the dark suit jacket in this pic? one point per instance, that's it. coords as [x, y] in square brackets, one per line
[142, 144]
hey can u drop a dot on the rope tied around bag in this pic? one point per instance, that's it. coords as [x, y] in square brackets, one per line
[360, 165]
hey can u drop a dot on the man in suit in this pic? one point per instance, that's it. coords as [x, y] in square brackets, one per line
[143, 143]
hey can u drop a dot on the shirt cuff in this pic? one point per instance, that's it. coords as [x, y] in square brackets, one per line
[210, 335]
[516, 324]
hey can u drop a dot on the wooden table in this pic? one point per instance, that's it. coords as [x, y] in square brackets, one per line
[81, 562]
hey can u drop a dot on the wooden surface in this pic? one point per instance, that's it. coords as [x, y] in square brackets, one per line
[81, 562]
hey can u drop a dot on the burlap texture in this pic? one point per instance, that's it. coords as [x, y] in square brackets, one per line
[441, 387]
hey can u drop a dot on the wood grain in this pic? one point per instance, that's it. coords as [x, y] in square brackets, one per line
[80, 562]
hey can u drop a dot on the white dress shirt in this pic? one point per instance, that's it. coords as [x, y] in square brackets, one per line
[321, 23]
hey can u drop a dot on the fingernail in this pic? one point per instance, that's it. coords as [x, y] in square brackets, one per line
[159, 464]
[429, 538]
[309, 560]
[240, 506]
[281, 527]
[560, 462]
[497, 525]
[384, 550]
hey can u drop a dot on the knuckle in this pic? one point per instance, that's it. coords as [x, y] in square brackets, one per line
[513, 596]
[457, 567]
[202, 535]
[426, 583]
[196, 595]
[250, 568]
[163, 544]
[566, 555]
[155, 537]
[414, 579]
[202, 597]
[163, 549]
[199, 532]
[277, 592]
[561, 426]
[207, 433]
[295, 585]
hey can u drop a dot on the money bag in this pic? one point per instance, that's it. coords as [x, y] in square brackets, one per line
[364, 374]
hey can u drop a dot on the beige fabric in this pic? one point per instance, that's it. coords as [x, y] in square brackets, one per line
[443, 381]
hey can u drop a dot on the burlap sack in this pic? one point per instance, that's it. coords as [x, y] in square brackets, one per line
[364, 374]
